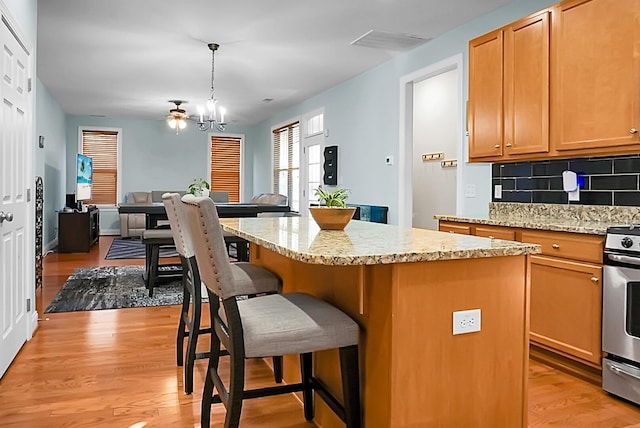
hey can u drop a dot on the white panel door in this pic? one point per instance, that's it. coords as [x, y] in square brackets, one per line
[14, 134]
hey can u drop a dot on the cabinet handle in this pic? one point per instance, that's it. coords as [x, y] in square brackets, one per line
[594, 279]
[497, 146]
[555, 246]
[633, 131]
[508, 144]
[491, 237]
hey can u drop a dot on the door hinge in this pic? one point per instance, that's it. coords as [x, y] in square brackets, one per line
[29, 84]
[28, 305]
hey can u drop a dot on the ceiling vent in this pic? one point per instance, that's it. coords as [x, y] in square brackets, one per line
[389, 41]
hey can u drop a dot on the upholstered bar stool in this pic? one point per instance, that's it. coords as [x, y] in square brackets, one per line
[259, 326]
[189, 326]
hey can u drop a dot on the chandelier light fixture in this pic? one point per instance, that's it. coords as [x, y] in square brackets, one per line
[177, 118]
[213, 117]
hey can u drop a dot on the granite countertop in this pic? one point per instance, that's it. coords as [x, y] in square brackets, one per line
[556, 225]
[365, 243]
[587, 219]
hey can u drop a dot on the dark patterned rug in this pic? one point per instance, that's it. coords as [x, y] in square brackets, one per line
[133, 248]
[112, 287]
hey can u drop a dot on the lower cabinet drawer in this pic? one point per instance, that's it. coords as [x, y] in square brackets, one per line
[496, 232]
[566, 307]
[575, 246]
[459, 228]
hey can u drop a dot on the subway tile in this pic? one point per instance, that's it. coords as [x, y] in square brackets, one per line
[508, 184]
[591, 166]
[555, 183]
[516, 170]
[595, 198]
[614, 182]
[626, 165]
[495, 170]
[550, 197]
[549, 168]
[510, 196]
[629, 199]
[532, 183]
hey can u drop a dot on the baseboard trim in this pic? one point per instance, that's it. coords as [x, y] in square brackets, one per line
[566, 365]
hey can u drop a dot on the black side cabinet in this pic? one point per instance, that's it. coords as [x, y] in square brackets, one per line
[78, 231]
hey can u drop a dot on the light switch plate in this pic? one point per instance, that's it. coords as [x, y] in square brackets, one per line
[497, 191]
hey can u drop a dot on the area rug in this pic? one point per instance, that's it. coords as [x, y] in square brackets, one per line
[133, 248]
[112, 287]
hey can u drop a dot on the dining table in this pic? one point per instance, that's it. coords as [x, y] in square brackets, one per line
[155, 211]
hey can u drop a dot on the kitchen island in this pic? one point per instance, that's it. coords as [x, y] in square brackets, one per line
[402, 286]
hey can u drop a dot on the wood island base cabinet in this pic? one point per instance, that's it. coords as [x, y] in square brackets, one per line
[414, 372]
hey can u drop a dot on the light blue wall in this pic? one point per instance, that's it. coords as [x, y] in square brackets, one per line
[362, 116]
[153, 157]
[50, 161]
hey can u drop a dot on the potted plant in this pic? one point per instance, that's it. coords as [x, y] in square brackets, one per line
[199, 187]
[333, 214]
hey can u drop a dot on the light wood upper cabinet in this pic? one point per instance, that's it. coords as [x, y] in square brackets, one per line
[509, 90]
[485, 96]
[526, 86]
[595, 74]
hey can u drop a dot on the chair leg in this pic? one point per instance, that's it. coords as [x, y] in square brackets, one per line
[277, 369]
[349, 363]
[236, 388]
[207, 393]
[192, 344]
[153, 268]
[184, 314]
[306, 368]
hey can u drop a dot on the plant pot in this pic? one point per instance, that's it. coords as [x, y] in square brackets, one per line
[332, 218]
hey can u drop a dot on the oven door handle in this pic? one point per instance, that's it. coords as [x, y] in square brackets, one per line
[624, 259]
[618, 370]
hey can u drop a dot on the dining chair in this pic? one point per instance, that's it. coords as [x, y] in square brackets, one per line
[189, 326]
[251, 324]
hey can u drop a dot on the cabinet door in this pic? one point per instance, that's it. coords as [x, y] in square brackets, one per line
[566, 307]
[485, 96]
[595, 67]
[454, 228]
[526, 86]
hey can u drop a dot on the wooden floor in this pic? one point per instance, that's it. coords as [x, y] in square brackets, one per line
[117, 368]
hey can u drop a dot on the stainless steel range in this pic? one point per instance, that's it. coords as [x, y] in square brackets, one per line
[621, 313]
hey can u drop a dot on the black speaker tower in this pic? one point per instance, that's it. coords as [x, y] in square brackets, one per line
[330, 165]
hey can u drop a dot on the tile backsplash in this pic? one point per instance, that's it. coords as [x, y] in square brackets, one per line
[603, 181]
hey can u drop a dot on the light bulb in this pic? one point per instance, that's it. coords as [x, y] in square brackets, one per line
[222, 112]
[172, 123]
[201, 113]
[182, 123]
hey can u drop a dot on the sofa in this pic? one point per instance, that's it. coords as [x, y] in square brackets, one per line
[132, 225]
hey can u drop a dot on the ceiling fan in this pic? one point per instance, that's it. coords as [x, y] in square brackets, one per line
[177, 118]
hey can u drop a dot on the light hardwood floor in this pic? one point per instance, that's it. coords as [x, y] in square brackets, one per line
[117, 368]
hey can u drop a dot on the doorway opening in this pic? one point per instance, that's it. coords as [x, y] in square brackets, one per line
[431, 124]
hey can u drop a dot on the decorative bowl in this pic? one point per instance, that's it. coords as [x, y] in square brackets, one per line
[332, 218]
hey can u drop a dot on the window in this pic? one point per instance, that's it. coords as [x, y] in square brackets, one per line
[286, 163]
[102, 146]
[225, 165]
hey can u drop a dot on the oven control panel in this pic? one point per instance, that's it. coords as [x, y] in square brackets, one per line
[624, 238]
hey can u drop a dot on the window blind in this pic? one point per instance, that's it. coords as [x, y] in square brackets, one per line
[286, 161]
[102, 147]
[225, 166]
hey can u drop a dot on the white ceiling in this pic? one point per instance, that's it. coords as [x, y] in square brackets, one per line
[127, 58]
